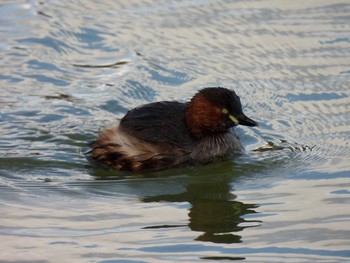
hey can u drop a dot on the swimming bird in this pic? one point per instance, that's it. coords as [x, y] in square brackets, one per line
[167, 134]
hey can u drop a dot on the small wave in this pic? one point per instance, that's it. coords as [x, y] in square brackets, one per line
[284, 145]
[110, 65]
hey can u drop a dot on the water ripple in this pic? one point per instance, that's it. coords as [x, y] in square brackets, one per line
[71, 68]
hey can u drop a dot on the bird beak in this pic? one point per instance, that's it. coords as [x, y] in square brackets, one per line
[233, 119]
[244, 120]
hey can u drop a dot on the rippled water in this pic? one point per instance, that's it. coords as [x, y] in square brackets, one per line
[70, 68]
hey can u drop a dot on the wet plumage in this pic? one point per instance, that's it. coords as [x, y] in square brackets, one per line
[168, 134]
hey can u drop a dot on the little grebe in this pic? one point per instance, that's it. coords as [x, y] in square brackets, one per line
[168, 134]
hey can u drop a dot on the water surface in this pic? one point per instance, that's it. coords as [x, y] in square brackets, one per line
[70, 68]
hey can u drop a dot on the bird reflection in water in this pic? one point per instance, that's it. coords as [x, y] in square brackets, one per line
[214, 211]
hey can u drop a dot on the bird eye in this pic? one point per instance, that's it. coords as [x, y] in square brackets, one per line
[224, 111]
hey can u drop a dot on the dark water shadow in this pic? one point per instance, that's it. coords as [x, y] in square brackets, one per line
[214, 209]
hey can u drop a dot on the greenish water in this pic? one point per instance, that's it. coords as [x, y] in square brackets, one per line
[71, 68]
